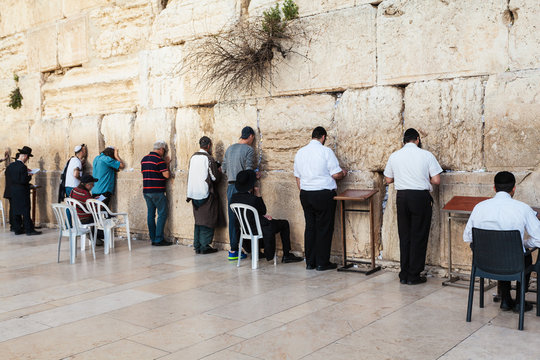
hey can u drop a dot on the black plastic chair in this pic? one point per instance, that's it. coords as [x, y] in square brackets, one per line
[498, 255]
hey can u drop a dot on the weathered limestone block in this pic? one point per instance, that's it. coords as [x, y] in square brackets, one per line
[44, 11]
[390, 236]
[98, 90]
[528, 189]
[121, 28]
[12, 55]
[46, 195]
[150, 126]
[286, 124]
[49, 153]
[72, 43]
[180, 218]
[369, 127]
[129, 198]
[305, 7]
[423, 39]
[13, 17]
[524, 42]
[13, 136]
[184, 20]
[75, 7]
[448, 114]
[117, 130]
[512, 116]
[85, 130]
[29, 86]
[42, 48]
[353, 53]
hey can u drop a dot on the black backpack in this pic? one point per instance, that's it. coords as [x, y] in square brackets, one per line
[62, 187]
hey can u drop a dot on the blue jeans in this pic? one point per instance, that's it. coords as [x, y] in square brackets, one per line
[234, 234]
[156, 201]
[68, 191]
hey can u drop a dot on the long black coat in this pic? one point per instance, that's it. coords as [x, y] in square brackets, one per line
[18, 187]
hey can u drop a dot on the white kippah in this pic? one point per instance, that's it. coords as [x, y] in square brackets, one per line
[77, 148]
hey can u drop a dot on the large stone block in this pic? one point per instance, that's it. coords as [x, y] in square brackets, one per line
[42, 50]
[14, 17]
[424, 39]
[12, 55]
[117, 130]
[75, 7]
[512, 117]
[99, 90]
[49, 153]
[121, 28]
[85, 130]
[184, 20]
[369, 127]
[448, 115]
[72, 41]
[284, 121]
[353, 59]
[129, 198]
[305, 7]
[29, 86]
[44, 11]
[524, 42]
[150, 126]
[13, 136]
[46, 194]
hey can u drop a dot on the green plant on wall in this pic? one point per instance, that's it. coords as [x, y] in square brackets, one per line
[15, 98]
[241, 56]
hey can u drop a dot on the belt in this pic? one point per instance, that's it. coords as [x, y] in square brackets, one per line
[232, 182]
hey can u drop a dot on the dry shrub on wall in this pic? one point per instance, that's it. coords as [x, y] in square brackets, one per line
[15, 97]
[243, 56]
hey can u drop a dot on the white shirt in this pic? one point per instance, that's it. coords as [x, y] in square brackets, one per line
[199, 169]
[315, 164]
[504, 213]
[411, 168]
[71, 180]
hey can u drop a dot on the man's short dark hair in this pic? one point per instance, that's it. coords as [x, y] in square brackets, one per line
[108, 151]
[247, 131]
[410, 135]
[505, 181]
[318, 132]
[204, 142]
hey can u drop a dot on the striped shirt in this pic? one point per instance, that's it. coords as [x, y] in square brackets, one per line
[81, 194]
[152, 168]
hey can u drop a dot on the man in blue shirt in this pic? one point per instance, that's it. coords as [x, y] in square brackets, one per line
[105, 166]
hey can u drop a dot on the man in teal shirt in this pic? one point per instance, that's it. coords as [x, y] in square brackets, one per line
[105, 166]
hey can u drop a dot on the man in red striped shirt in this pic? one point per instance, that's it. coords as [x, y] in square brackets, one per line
[155, 171]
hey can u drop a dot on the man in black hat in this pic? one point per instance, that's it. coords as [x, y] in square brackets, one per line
[238, 157]
[413, 171]
[18, 183]
[248, 194]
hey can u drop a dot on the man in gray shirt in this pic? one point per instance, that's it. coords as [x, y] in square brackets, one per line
[238, 157]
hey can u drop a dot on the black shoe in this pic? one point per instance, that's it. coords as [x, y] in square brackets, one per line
[163, 243]
[528, 307]
[99, 242]
[507, 305]
[310, 267]
[33, 232]
[291, 258]
[328, 266]
[403, 281]
[209, 250]
[420, 280]
[19, 232]
[197, 251]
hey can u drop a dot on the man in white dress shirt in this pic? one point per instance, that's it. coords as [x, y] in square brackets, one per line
[316, 169]
[413, 171]
[504, 213]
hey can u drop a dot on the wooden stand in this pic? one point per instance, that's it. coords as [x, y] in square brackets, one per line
[33, 194]
[357, 195]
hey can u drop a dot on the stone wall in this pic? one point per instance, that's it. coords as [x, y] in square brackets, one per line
[466, 74]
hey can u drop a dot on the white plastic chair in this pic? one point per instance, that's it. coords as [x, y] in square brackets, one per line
[3, 214]
[77, 204]
[68, 229]
[241, 211]
[104, 220]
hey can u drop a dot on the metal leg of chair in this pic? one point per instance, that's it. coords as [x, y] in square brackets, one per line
[481, 292]
[254, 253]
[239, 252]
[522, 301]
[471, 294]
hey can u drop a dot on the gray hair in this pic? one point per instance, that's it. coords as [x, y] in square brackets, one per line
[160, 144]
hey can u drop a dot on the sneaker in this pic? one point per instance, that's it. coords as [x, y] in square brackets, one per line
[233, 255]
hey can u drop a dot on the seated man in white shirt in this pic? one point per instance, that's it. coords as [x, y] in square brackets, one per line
[504, 213]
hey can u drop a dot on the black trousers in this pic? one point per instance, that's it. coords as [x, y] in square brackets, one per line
[273, 227]
[22, 221]
[319, 213]
[505, 286]
[12, 220]
[414, 221]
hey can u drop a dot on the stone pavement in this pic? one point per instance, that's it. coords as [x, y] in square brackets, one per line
[167, 303]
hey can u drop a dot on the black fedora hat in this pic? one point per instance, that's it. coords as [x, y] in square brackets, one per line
[25, 151]
[86, 179]
[245, 180]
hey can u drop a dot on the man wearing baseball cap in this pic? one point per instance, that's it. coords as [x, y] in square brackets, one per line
[82, 193]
